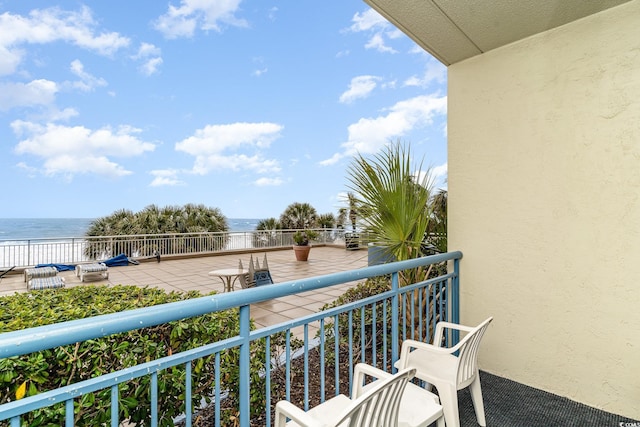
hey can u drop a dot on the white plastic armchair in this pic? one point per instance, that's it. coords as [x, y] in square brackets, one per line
[449, 369]
[377, 407]
[418, 407]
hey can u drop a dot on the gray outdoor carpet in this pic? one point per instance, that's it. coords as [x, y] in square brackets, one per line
[508, 404]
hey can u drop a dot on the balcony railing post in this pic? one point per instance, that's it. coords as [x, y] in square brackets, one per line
[455, 299]
[395, 302]
[245, 360]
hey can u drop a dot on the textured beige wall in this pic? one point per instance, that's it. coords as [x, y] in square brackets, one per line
[544, 202]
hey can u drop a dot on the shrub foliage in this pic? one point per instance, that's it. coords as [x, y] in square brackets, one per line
[50, 369]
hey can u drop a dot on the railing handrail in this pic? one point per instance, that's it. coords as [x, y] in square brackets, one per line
[26, 341]
[27, 252]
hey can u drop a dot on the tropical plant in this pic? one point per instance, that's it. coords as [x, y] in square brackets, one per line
[327, 220]
[392, 198]
[267, 233]
[37, 372]
[394, 201]
[299, 216]
[349, 212]
[189, 218]
[436, 239]
[302, 237]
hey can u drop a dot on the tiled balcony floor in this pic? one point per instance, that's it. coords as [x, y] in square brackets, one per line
[192, 274]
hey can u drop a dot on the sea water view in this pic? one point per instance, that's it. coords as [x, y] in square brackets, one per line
[38, 228]
[21, 239]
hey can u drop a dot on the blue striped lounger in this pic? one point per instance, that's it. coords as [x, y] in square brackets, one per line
[36, 273]
[46, 283]
[96, 268]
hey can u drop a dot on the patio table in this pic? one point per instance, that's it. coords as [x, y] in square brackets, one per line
[228, 276]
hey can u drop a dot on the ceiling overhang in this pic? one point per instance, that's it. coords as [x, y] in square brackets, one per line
[454, 30]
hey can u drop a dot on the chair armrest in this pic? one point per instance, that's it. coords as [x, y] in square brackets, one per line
[286, 409]
[441, 326]
[359, 373]
[410, 345]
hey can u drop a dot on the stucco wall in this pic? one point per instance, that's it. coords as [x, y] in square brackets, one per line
[544, 202]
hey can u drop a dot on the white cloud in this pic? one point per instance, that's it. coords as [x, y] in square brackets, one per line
[182, 21]
[368, 135]
[372, 22]
[146, 50]
[360, 87]
[50, 25]
[269, 182]
[214, 139]
[377, 42]
[367, 21]
[75, 150]
[260, 72]
[87, 81]
[151, 58]
[165, 177]
[217, 146]
[151, 66]
[434, 71]
[236, 162]
[36, 92]
[440, 175]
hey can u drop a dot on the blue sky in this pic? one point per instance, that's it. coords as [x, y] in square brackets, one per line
[246, 106]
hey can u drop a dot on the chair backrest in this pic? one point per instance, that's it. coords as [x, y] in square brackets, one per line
[468, 354]
[380, 405]
[259, 275]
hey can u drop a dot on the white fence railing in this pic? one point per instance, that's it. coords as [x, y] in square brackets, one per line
[72, 250]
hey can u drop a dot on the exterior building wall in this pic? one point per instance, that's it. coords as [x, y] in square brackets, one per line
[544, 203]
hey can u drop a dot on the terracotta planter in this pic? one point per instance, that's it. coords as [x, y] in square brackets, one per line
[302, 252]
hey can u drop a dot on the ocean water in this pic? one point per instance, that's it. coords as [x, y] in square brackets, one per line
[33, 228]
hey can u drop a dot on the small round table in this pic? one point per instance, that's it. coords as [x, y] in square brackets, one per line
[228, 276]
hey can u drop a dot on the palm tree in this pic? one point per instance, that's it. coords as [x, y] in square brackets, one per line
[353, 210]
[436, 238]
[392, 197]
[327, 220]
[299, 216]
[266, 233]
[152, 219]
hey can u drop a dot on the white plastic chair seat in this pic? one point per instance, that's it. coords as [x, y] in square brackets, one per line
[417, 407]
[421, 360]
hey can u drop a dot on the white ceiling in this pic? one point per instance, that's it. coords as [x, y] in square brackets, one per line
[454, 30]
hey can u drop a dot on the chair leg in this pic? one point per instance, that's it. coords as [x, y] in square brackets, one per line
[449, 401]
[476, 398]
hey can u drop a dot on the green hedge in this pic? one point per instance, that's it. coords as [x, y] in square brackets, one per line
[61, 366]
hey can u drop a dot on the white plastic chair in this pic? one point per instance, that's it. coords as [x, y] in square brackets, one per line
[378, 405]
[449, 369]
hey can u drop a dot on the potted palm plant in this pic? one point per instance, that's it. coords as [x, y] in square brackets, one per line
[301, 248]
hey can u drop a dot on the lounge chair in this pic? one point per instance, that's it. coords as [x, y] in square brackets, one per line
[45, 283]
[95, 268]
[39, 272]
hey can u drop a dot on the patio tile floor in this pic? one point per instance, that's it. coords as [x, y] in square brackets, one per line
[191, 274]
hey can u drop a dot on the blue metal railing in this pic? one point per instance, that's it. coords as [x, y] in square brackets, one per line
[371, 328]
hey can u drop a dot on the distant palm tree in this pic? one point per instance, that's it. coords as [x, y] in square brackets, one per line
[436, 238]
[353, 210]
[327, 220]
[299, 216]
[268, 224]
[152, 219]
[266, 233]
